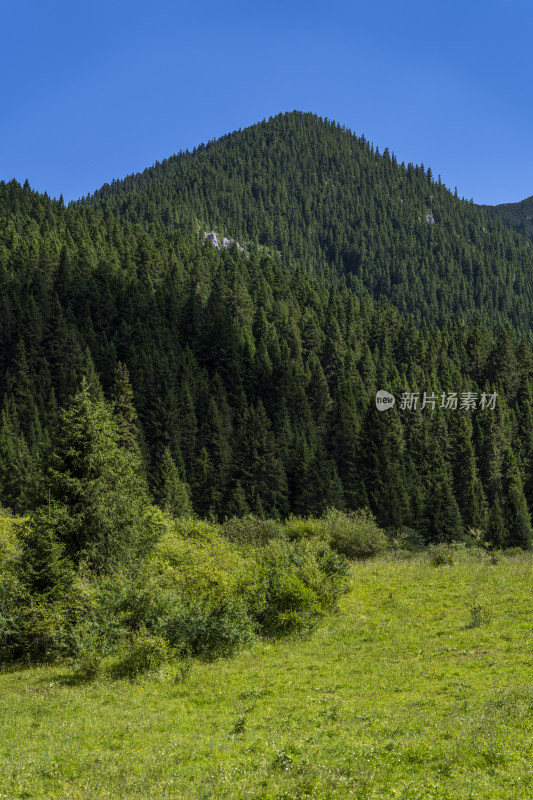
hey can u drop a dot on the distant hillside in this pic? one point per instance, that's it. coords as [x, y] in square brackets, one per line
[516, 215]
[310, 190]
[253, 384]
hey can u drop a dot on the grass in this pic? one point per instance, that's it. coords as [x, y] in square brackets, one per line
[398, 696]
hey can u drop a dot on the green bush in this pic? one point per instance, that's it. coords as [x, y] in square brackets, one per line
[12, 598]
[192, 528]
[513, 551]
[298, 528]
[252, 530]
[44, 632]
[208, 629]
[479, 615]
[292, 606]
[88, 650]
[354, 534]
[31, 627]
[10, 546]
[205, 590]
[301, 581]
[406, 539]
[441, 554]
[146, 653]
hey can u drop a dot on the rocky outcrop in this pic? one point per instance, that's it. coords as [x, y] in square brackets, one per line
[226, 243]
[212, 237]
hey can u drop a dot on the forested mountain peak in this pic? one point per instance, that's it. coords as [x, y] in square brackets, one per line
[311, 191]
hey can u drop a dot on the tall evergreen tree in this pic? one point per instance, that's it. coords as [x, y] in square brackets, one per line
[124, 411]
[92, 497]
[171, 493]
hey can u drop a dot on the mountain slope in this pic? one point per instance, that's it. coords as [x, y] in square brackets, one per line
[319, 195]
[515, 215]
[259, 382]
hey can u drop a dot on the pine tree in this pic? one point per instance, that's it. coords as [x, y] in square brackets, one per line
[441, 520]
[517, 518]
[124, 412]
[237, 505]
[92, 495]
[171, 493]
[257, 466]
[468, 487]
[16, 463]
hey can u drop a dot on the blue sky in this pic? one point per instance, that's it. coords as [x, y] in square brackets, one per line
[96, 90]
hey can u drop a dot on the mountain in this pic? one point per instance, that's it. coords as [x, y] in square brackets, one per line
[311, 191]
[254, 374]
[515, 215]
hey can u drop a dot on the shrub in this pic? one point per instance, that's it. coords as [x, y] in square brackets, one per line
[207, 629]
[192, 528]
[208, 567]
[301, 581]
[145, 653]
[43, 631]
[199, 593]
[440, 554]
[292, 606]
[407, 539]
[252, 530]
[355, 534]
[298, 528]
[513, 551]
[88, 649]
[479, 615]
[11, 601]
[204, 590]
[10, 547]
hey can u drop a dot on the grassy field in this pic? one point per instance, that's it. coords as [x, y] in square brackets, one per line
[422, 687]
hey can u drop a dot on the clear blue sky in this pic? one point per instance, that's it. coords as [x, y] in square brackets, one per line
[96, 90]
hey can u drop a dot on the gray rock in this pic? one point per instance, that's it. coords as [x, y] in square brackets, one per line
[212, 237]
[226, 242]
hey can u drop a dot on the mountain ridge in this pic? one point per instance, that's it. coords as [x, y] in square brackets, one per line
[256, 375]
[518, 216]
[318, 195]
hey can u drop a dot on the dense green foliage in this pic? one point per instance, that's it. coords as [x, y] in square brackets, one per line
[91, 502]
[252, 385]
[516, 215]
[323, 197]
[195, 592]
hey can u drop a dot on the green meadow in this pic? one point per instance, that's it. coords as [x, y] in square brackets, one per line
[419, 688]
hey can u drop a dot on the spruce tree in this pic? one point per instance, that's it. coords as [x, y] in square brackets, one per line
[93, 500]
[171, 493]
[257, 466]
[124, 412]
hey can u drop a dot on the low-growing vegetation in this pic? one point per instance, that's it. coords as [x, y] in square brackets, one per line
[202, 590]
[409, 692]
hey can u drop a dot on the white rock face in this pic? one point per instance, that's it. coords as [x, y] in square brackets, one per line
[212, 237]
[226, 243]
[430, 219]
